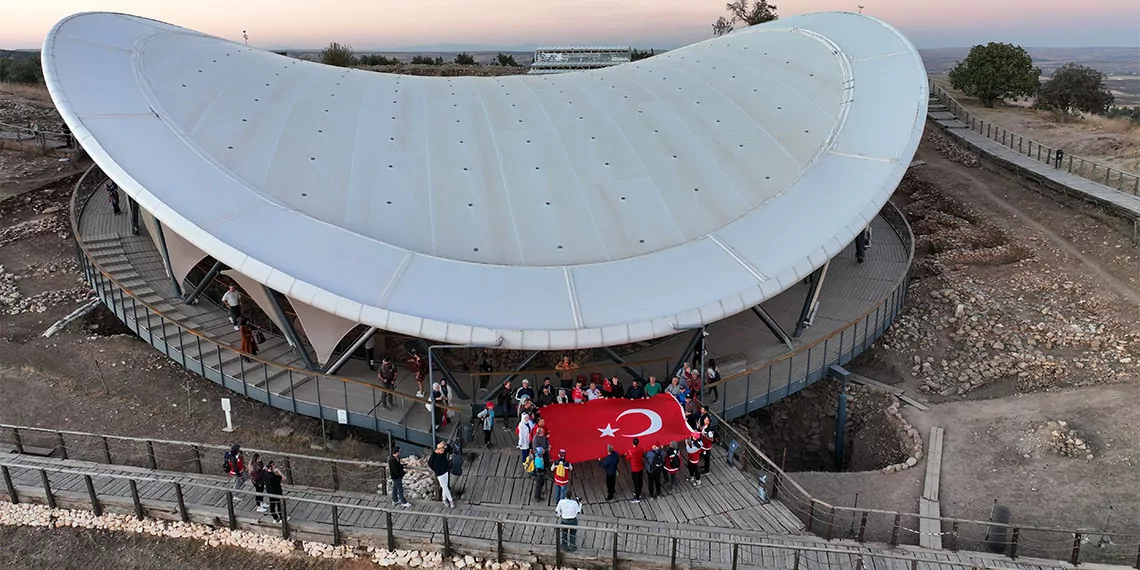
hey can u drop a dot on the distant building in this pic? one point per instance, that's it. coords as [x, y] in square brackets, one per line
[577, 58]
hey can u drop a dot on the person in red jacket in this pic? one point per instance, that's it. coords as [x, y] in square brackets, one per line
[561, 471]
[693, 449]
[706, 446]
[672, 465]
[636, 458]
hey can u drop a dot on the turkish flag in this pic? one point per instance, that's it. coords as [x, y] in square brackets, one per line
[584, 430]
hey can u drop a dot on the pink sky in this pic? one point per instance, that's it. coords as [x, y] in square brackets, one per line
[396, 24]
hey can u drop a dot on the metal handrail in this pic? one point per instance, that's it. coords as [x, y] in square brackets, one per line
[76, 214]
[999, 134]
[614, 533]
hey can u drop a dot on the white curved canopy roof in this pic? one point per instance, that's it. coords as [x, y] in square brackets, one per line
[565, 211]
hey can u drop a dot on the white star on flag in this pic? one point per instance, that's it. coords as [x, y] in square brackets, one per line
[608, 431]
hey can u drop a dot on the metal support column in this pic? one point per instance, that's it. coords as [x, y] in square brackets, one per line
[629, 370]
[287, 327]
[773, 326]
[841, 374]
[166, 257]
[332, 369]
[134, 208]
[811, 303]
[192, 298]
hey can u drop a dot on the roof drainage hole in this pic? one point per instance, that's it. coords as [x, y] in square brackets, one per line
[548, 203]
[623, 198]
[230, 147]
[304, 194]
[389, 202]
[391, 166]
[641, 240]
[475, 249]
[767, 178]
[320, 131]
[559, 247]
[256, 100]
[470, 205]
[312, 158]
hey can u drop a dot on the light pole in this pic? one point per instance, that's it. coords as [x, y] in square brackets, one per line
[431, 375]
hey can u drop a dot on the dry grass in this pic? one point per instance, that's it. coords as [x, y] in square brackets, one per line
[37, 93]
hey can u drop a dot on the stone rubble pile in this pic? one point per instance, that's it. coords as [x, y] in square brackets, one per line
[22, 114]
[1066, 442]
[419, 482]
[951, 151]
[54, 223]
[25, 514]
[913, 439]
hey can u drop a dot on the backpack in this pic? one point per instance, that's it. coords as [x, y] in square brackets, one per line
[560, 470]
[227, 460]
[651, 461]
[528, 465]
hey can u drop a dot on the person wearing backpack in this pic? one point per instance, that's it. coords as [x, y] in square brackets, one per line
[561, 471]
[672, 465]
[488, 417]
[539, 473]
[654, 463]
[257, 475]
[234, 465]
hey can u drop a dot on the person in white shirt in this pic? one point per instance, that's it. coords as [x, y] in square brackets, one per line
[232, 301]
[524, 436]
[567, 510]
[593, 393]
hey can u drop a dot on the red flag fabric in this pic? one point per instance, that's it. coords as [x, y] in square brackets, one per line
[584, 430]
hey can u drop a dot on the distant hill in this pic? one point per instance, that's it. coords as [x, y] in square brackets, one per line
[1107, 60]
[18, 53]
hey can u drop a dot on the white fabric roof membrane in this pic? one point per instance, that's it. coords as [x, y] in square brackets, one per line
[555, 212]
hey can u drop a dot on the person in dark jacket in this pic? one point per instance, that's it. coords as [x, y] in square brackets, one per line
[635, 392]
[505, 400]
[440, 464]
[396, 472]
[257, 476]
[273, 478]
[610, 466]
[545, 397]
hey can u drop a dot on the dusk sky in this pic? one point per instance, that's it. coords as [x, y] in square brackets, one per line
[506, 24]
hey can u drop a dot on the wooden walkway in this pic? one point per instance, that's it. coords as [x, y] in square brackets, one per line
[526, 533]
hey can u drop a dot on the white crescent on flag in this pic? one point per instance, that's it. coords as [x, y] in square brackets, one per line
[654, 420]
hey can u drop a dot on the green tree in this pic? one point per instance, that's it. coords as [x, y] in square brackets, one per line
[464, 58]
[995, 72]
[639, 55]
[506, 60]
[744, 12]
[21, 70]
[338, 55]
[1074, 88]
[425, 60]
[1128, 113]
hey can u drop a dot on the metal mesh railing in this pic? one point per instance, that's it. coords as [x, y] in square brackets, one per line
[1057, 158]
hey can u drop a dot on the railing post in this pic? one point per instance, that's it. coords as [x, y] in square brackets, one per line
[796, 559]
[135, 498]
[61, 445]
[336, 526]
[830, 523]
[1075, 556]
[954, 537]
[197, 458]
[446, 540]
[106, 451]
[19, 440]
[673, 553]
[895, 530]
[384, 477]
[557, 548]
[735, 555]
[1137, 565]
[185, 516]
[47, 489]
[392, 537]
[1013, 543]
[613, 551]
[288, 471]
[335, 476]
[284, 519]
[150, 459]
[498, 541]
[811, 514]
[863, 527]
[230, 510]
[91, 494]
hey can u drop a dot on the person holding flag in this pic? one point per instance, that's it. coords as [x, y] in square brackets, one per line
[654, 465]
[693, 449]
[672, 465]
[706, 445]
[636, 458]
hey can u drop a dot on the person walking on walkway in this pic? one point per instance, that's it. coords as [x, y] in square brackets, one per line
[708, 437]
[539, 472]
[636, 458]
[693, 449]
[524, 431]
[672, 465]
[654, 465]
[488, 417]
[113, 197]
[248, 340]
[440, 465]
[712, 376]
[396, 472]
[561, 471]
[232, 301]
[567, 510]
[234, 463]
[273, 479]
[609, 464]
[505, 399]
[387, 377]
[417, 366]
[257, 476]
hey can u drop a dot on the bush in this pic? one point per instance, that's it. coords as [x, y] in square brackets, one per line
[464, 58]
[505, 60]
[994, 72]
[1131, 114]
[26, 70]
[338, 55]
[1075, 88]
[425, 60]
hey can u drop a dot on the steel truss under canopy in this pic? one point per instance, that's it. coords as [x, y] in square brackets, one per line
[566, 211]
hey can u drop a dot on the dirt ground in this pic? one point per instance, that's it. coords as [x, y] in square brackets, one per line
[27, 548]
[1114, 142]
